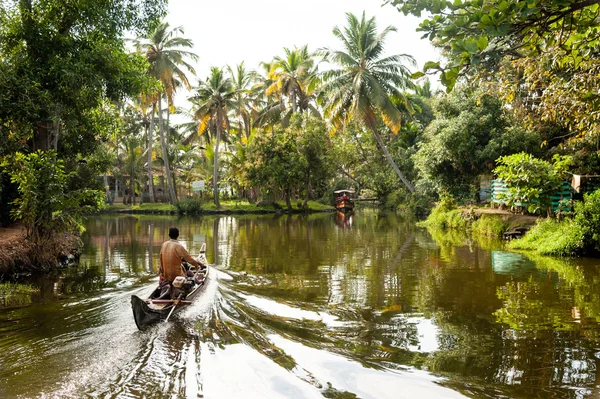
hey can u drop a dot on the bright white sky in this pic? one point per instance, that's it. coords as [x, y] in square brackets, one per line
[226, 32]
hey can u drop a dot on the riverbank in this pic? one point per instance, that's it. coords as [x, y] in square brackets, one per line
[20, 256]
[227, 208]
[575, 235]
[488, 222]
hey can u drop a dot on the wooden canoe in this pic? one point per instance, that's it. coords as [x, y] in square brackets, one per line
[154, 309]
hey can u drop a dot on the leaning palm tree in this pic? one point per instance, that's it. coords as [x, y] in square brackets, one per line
[213, 101]
[164, 51]
[361, 88]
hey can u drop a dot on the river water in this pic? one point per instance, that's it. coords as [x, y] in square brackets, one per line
[367, 306]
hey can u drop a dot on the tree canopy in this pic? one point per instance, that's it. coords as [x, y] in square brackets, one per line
[479, 33]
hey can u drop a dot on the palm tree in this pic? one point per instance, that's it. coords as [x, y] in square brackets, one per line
[362, 87]
[244, 99]
[294, 77]
[163, 49]
[213, 101]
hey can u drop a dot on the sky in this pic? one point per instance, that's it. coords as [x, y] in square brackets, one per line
[226, 32]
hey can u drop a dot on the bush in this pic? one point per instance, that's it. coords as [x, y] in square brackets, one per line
[446, 215]
[44, 206]
[531, 181]
[190, 206]
[587, 219]
[580, 236]
[490, 226]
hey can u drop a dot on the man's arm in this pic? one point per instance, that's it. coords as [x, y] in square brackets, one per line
[183, 254]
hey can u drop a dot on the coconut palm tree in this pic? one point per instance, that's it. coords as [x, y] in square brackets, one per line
[165, 51]
[213, 101]
[245, 98]
[293, 77]
[360, 89]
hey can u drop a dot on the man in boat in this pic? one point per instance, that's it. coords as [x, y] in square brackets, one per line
[172, 253]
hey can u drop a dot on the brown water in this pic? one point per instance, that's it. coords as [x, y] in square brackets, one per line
[309, 307]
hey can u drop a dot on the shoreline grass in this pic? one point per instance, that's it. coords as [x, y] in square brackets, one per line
[14, 295]
[206, 207]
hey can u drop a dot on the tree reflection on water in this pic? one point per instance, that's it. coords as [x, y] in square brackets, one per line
[384, 293]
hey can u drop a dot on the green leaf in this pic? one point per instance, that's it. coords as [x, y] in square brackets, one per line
[431, 65]
[482, 43]
[417, 75]
[471, 46]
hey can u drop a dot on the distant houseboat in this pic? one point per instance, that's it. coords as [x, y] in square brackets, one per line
[344, 200]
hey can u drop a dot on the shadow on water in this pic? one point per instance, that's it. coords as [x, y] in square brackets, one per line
[303, 307]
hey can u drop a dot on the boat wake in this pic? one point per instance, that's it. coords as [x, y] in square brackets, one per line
[231, 342]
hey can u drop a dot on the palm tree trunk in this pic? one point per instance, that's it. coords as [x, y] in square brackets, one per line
[150, 138]
[173, 171]
[163, 144]
[132, 180]
[407, 183]
[215, 169]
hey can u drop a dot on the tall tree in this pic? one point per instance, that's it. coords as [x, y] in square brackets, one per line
[361, 88]
[293, 78]
[539, 56]
[244, 99]
[475, 34]
[60, 63]
[165, 51]
[213, 101]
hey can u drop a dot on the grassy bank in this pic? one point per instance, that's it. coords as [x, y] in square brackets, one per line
[447, 216]
[194, 207]
[553, 238]
[12, 295]
[575, 236]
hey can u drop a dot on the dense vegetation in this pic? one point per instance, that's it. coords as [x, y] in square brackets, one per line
[521, 76]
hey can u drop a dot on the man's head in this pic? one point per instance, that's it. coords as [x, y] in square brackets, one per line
[174, 233]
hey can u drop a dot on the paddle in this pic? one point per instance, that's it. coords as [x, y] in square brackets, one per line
[174, 306]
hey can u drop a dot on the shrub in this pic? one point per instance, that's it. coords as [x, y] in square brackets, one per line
[490, 226]
[531, 181]
[446, 215]
[190, 206]
[44, 205]
[587, 220]
[580, 236]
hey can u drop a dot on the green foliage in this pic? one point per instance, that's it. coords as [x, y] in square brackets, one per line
[274, 160]
[191, 206]
[551, 237]
[490, 226]
[587, 221]
[476, 34]
[314, 146]
[446, 216]
[470, 131]
[531, 181]
[15, 294]
[406, 203]
[43, 206]
[539, 56]
[68, 62]
[576, 237]
[286, 158]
